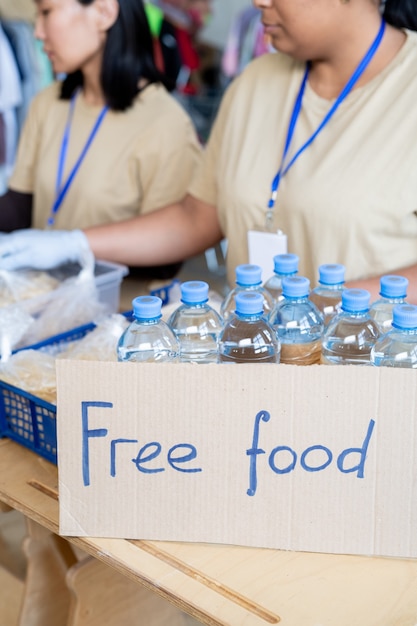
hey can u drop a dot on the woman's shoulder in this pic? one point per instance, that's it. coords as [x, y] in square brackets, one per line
[269, 64]
[272, 71]
[155, 105]
[270, 61]
[411, 42]
[401, 69]
[41, 105]
[411, 36]
[269, 75]
[47, 96]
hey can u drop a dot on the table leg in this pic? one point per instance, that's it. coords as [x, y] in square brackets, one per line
[46, 598]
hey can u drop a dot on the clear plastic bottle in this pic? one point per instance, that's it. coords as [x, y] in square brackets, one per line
[148, 338]
[327, 296]
[349, 337]
[392, 291]
[398, 347]
[284, 265]
[196, 324]
[298, 323]
[248, 278]
[247, 337]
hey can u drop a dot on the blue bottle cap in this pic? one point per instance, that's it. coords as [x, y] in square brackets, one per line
[392, 286]
[405, 316]
[355, 300]
[248, 274]
[331, 274]
[147, 307]
[249, 303]
[194, 292]
[295, 286]
[286, 263]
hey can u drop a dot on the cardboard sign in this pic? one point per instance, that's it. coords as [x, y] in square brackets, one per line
[319, 458]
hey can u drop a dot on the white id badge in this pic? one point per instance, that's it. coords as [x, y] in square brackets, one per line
[263, 246]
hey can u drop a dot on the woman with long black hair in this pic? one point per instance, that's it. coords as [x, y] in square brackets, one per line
[107, 142]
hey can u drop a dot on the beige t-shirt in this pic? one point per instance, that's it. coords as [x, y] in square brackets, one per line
[18, 10]
[140, 159]
[350, 197]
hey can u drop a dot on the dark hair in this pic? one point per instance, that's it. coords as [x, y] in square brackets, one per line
[128, 57]
[401, 13]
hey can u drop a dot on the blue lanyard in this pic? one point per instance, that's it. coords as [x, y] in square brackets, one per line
[297, 108]
[61, 190]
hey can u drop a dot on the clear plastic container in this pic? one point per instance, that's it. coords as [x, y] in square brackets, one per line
[351, 334]
[327, 296]
[398, 347]
[393, 291]
[108, 279]
[196, 324]
[284, 265]
[148, 339]
[298, 323]
[247, 336]
[248, 278]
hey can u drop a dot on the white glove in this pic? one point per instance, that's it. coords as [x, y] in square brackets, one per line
[43, 249]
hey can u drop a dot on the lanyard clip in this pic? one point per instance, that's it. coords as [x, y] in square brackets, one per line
[270, 211]
[269, 223]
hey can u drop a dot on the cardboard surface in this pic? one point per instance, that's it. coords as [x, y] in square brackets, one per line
[319, 458]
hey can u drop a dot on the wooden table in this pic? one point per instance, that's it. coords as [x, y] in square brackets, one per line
[228, 584]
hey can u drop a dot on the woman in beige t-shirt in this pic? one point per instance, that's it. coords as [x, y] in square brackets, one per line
[107, 142]
[350, 197]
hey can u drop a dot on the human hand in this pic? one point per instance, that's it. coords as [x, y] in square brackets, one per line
[43, 249]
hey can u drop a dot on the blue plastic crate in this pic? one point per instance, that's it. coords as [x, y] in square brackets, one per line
[29, 420]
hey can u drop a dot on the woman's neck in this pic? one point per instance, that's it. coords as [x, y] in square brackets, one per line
[92, 90]
[93, 99]
[328, 76]
[93, 94]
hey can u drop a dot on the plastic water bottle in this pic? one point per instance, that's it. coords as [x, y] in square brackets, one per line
[398, 347]
[284, 265]
[327, 296]
[351, 334]
[298, 323]
[393, 291]
[247, 337]
[196, 324]
[248, 278]
[148, 338]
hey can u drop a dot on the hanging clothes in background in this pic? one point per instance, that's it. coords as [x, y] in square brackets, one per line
[156, 20]
[46, 74]
[2, 140]
[21, 39]
[246, 40]
[191, 66]
[24, 70]
[11, 99]
[173, 17]
[179, 28]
